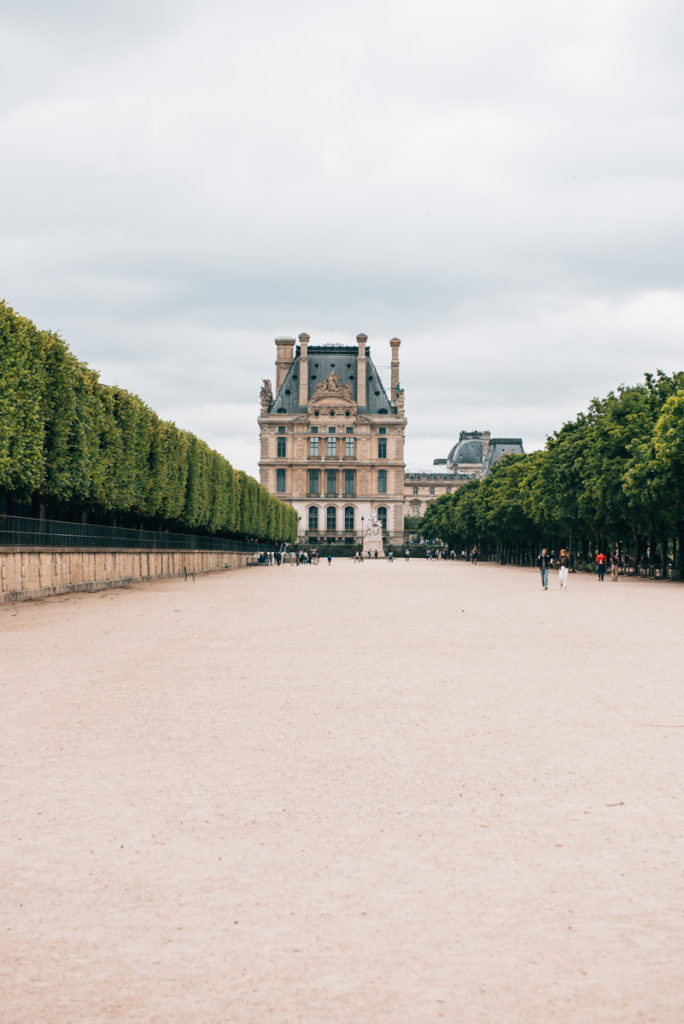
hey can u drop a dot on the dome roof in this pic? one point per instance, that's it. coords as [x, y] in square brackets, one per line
[466, 450]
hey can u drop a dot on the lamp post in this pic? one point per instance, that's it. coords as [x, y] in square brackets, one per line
[362, 535]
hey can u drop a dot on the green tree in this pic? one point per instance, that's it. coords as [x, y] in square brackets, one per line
[22, 423]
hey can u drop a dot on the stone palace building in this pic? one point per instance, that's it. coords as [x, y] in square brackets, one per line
[332, 445]
[332, 440]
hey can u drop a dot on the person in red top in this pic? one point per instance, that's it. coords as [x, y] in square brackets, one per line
[601, 561]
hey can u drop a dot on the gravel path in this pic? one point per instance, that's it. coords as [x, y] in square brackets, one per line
[377, 794]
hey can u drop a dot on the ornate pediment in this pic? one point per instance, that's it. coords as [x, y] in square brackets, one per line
[332, 390]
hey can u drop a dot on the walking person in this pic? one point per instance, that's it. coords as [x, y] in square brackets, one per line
[601, 561]
[614, 567]
[474, 555]
[544, 561]
[563, 569]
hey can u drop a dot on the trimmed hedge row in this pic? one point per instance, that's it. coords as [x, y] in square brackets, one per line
[67, 438]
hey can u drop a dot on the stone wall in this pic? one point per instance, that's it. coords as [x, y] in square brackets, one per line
[40, 572]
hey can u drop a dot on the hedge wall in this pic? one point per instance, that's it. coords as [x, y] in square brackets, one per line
[68, 439]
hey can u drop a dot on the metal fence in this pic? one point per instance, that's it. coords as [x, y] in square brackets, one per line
[17, 531]
[311, 538]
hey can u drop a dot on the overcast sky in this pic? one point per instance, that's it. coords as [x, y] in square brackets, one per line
[500, 184]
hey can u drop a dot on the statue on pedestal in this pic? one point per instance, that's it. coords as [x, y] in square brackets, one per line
[372, 540]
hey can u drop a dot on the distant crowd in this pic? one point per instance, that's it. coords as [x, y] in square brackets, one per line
[547, 560]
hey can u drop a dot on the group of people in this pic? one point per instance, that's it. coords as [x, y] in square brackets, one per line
[270, 558]
[293, 557]
[545, 561]
[358, 555]
[603, 561]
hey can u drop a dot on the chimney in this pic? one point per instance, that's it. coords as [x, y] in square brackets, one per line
[361, 371]
[395, 343]
[284, 350]
[304, 369]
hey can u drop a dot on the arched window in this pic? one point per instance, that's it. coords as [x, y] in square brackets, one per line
[382, 517]
[349, 518]
[313, 519]
[331, 518]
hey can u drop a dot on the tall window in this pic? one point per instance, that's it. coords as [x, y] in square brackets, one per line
[313, 447]
[331, 518]
[313, 519]
[382, 481]
[313, 481]
[349, 446]
[432, 490]
[349, 519]
[281, 447]
[332, 447]
[331, 482]
[280, 481]
[415, 490]
[350, 481]
[382, 447]
[382, 517]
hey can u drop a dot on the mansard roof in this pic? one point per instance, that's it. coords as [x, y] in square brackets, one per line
[341, 360]
[470, 449]
[498, 447]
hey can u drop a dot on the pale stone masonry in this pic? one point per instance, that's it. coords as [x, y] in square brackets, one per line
[332, 439]
[35, 573]
[422, 487]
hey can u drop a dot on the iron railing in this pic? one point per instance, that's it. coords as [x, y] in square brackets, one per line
[18, 531]
[336, 535]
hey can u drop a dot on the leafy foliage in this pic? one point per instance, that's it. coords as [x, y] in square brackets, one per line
[613, 477]
[65, 437]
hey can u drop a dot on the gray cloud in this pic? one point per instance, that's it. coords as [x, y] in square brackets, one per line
[499, 185]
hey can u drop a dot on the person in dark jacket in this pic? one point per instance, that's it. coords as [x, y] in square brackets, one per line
[544, 561]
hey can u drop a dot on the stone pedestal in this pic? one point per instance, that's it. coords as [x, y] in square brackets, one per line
[373, 544]
[372, 540]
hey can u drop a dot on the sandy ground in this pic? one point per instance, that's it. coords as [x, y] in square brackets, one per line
[384, 793]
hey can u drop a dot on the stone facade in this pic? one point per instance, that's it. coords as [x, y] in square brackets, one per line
[471, 458]
[420, 488]
[36, 573]
[332, 440]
